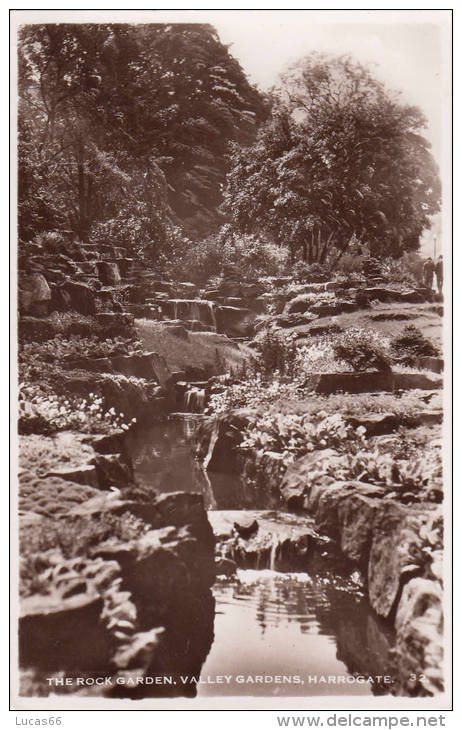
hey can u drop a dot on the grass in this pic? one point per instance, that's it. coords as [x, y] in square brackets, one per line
[407, 405]
[420, 315]
[198, 350]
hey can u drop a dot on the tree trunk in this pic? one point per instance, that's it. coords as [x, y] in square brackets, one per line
[322, 258]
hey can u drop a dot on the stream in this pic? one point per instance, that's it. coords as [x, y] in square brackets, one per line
[275, 633]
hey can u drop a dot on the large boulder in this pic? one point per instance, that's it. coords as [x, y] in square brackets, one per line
[77, 296]
[345, 511]
[434, 364]
[218, 441]
[419, 638]
[298, 477]
[35, 329]
[130, 398]
[230, 288]
[300, 304]
[138, 366]
[416, 296]
[328, 309]
[160, 566]
[235, 321]
[186, 289]
[264, 538]
[251, 291]
[417, 381]
[376, 424]
[34, 294]
[108, 272]
[396, 546]
[367, 382]
[51, 627]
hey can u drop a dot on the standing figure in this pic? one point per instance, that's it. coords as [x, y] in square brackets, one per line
[439, 273]
[428, 271]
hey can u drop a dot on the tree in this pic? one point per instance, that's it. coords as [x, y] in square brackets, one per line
[340, 160]
[125, 125]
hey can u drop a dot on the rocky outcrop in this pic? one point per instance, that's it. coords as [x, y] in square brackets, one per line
[263, 539]
[412, 296]
[235, 321]
[34, 294]
[419, 631]
[108, 272]
[217, 442]
[371, 382]
[142, 605]
[77, 296]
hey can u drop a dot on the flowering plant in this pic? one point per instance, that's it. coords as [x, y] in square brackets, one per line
[42, 412]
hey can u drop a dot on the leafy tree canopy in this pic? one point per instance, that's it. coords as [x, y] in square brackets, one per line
[341, 159]
[123, 128]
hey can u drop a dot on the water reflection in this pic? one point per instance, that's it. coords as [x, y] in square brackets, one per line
[163, 459]
[295, 626]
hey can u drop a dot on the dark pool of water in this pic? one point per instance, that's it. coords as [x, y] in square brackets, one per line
[286, 634]
[301, 628]
[163, 458]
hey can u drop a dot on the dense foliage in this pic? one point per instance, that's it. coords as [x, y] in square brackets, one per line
[123, 129]
[341, 163]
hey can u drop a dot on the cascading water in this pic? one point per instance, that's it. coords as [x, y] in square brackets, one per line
[212, 442]
[193, 310]
[195, 400]
[273, 554]
[211, 308]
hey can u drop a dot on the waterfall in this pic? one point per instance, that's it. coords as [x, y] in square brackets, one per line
[195, 400]
[211, 308]
[212, 442]
[194, 311]
[274, 553]
[208, 491]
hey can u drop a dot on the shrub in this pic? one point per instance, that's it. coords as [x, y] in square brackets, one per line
[318, 357]
[416, 479]
[349, 263]
[310, 273]
[362, 350]
[58, 323]
[405, 270]
[412, 344]
[62, 348]
[50, 240]
[350, 280]
[277, 352]
[293, 435]
[372, 268]
[223, 254]
[72, 537]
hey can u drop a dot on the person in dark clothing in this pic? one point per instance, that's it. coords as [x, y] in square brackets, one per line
[439, 273]
[428, 271]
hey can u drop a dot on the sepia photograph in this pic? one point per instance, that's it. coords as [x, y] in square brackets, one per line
[231, 264]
